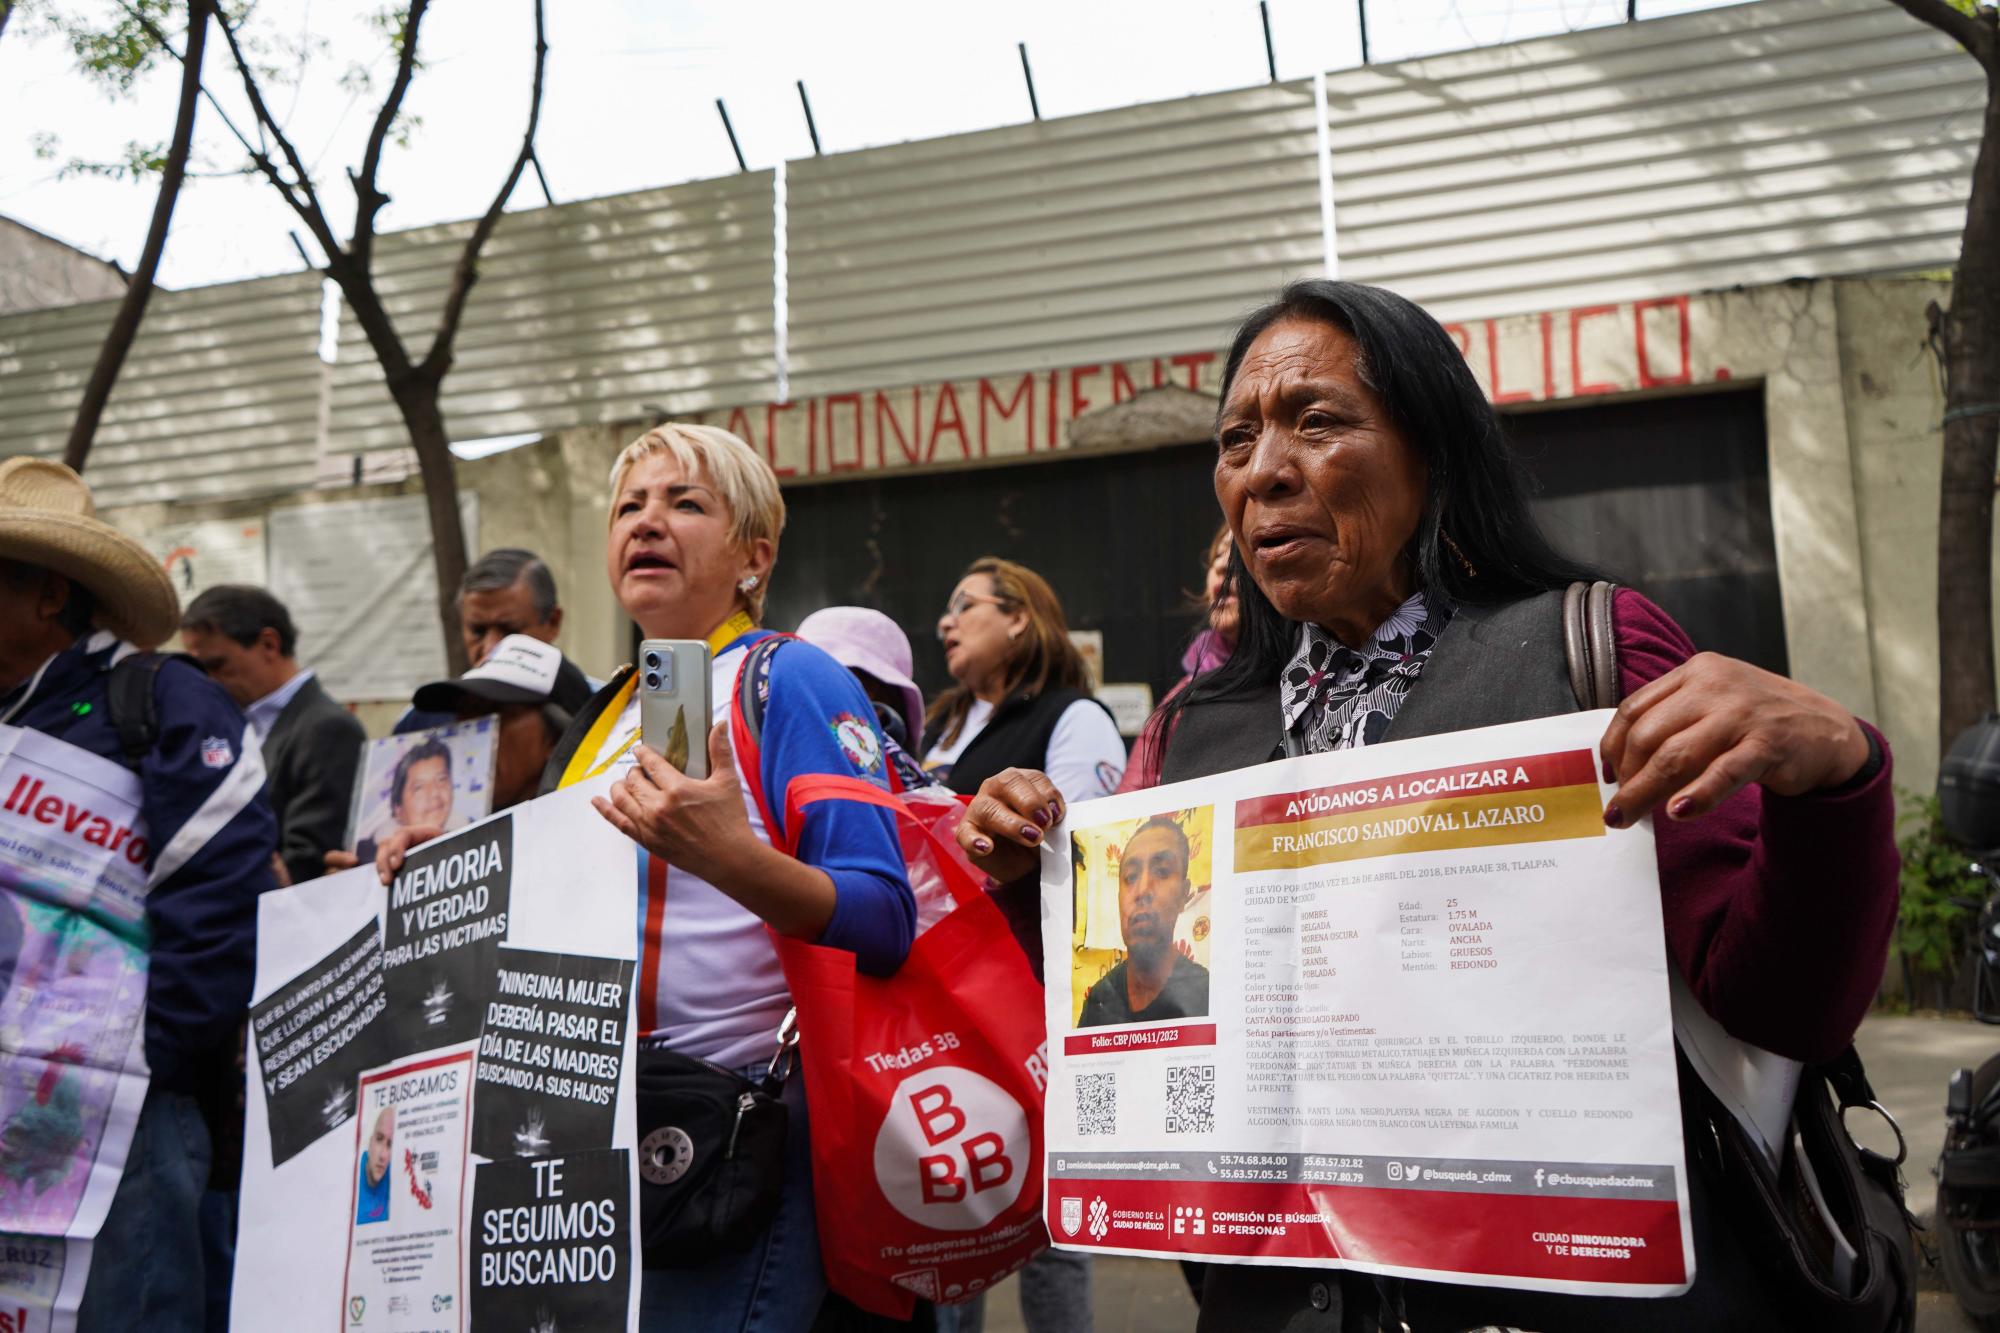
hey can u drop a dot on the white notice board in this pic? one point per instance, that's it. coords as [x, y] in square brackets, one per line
[358, 579]
[199, 555]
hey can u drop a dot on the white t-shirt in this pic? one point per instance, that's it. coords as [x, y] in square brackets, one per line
[1086, 755]
[720, 992]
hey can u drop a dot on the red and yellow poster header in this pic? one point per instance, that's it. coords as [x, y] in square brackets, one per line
[1535, 798]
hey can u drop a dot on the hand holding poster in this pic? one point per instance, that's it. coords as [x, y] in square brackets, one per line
[1431, 1036]
[457, 1061]
[73, 881]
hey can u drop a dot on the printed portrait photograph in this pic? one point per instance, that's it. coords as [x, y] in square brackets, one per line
[439, 778]
[373, 1175]
[1139, 949]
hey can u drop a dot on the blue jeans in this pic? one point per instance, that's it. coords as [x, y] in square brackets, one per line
[776, 1285]
[146, 1270]
[1055, 1297]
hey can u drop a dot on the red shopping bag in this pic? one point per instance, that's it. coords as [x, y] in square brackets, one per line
[924, 1088]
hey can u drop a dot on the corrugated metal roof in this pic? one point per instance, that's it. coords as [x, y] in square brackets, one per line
[584, 313]
[1779, 139]
[1790, 138]
[218, 398]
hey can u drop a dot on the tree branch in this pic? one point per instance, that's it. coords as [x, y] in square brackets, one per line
[1976, 35]
[304, 200]
[160, 38]
[466, 272]
[139, 290]
[368, 197]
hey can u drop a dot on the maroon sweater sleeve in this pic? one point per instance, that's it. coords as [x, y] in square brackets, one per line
[1778, 908]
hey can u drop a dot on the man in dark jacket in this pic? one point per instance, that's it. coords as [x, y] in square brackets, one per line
[244, 639]
[76, 596]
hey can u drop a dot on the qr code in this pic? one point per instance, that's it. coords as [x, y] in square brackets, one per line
[1191, 1099]
[1097, 1103]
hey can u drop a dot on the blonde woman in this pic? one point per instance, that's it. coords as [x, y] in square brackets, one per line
[694, 527]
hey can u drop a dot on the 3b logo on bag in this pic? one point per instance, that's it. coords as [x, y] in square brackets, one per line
[952, 1152]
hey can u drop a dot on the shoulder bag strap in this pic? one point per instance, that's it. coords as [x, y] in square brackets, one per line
[134, 705]
[1590, 644]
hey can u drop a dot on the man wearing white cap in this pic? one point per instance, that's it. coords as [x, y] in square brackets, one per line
[78, 601]
[533, 689]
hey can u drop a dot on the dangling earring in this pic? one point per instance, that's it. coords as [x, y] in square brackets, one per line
[749, 584]
[1470, 572]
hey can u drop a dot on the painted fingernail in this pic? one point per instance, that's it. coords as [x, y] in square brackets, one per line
[982, 845]
[1609, 776]
[1042, 817]
[1055, 812]
[1614, 817]
[1031, 833]
[1681, 806]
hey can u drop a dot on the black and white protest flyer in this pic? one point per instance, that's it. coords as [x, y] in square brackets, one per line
[73, 882]
[550, 1054]
[371, 1119]
[447, 914]
[412, 1142]
[552, 1242]
[314, 1035]
[1402, 1009]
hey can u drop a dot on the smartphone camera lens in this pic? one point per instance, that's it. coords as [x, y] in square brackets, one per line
[652, 664]
[652, 680]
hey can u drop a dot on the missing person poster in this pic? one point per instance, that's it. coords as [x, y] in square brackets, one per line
[411, 1142]
[441, 777]
[73, 882]
[408, 1039]
[1402, 1009]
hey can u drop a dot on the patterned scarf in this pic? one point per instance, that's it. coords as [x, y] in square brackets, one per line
[1340, 698]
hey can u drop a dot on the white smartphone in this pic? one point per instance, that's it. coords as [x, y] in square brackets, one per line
[674, 707]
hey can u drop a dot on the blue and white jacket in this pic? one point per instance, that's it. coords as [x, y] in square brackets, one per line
[202, 795]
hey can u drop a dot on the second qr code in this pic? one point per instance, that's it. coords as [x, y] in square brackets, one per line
[1191, 1099]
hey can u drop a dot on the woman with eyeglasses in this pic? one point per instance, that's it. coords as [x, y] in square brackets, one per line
[1022, 693]
[1021, 700]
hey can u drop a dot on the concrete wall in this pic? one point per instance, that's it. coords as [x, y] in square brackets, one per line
[1894, 401]
[1851, 401]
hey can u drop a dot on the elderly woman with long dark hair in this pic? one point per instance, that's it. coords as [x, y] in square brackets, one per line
[1393, 584]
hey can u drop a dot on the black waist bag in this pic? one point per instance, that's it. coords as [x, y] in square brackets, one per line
[711, 1157]
[1862, 1190]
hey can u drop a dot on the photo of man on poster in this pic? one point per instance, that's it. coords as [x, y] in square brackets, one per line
[372, 1194]
[1155, 980]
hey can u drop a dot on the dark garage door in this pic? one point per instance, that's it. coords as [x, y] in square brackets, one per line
[1671, 496]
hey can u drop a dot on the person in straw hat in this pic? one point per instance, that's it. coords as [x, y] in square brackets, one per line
[80, 603]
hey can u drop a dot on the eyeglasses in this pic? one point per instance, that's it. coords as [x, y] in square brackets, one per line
[964, 602]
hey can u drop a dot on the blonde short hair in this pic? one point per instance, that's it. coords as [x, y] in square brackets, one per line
[740, 474]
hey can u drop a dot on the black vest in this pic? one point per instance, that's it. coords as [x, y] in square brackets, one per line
[1492, 664]
[1016, 736]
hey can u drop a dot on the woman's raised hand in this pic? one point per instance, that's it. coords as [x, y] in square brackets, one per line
[1714, 724]
[1002, 830]
[389, 853]
[697, 825]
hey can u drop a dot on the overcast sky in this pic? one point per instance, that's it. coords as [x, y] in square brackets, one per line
[631, 88]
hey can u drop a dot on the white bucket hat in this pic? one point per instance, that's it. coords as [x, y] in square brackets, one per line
[864, 640]
[47, 518]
